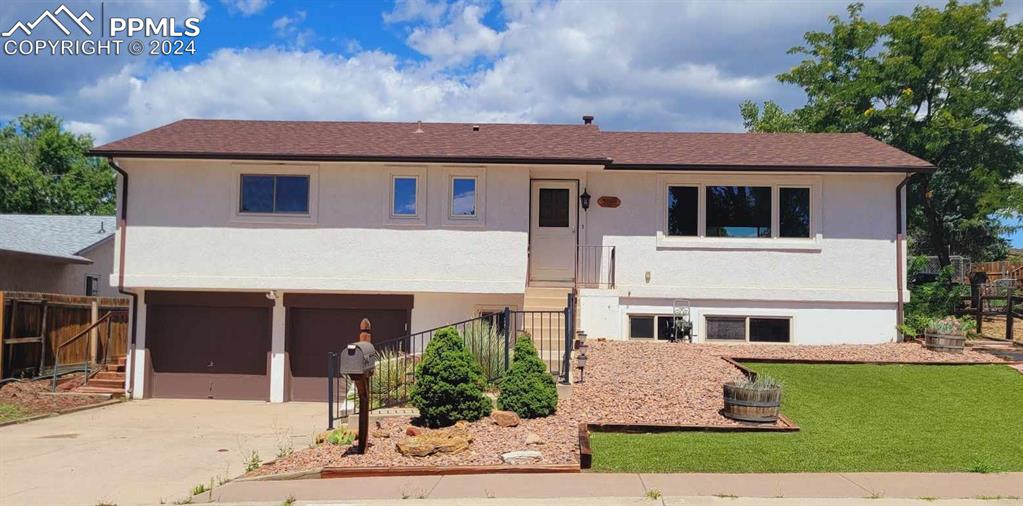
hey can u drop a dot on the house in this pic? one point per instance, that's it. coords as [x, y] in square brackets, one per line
[254, 247]
[70, 255]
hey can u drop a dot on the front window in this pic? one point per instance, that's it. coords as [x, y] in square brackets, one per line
[683, 210]
[270, 194]
[403, 196]
[738, 211]
[794, 212]
[463, 197]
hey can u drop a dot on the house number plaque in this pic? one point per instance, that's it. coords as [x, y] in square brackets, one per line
[611, 202]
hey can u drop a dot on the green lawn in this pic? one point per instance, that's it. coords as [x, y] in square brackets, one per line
[10, 412]
[853, 418]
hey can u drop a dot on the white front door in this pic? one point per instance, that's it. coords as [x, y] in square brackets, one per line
[552, 230]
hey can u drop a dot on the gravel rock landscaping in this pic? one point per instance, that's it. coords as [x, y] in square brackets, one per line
[624, 383]
[36, 398]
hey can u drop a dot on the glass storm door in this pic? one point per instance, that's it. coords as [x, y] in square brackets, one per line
[552, 230]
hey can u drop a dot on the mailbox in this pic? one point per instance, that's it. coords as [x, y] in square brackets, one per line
[358, 359]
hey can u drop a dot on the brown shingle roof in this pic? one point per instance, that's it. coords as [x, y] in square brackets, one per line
[532, 143]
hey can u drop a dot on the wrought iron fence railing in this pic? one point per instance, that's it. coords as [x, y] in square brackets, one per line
[595, 267]
[489, 338]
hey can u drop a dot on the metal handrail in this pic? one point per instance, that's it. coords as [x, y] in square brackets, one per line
[590, 265]
[56, 350]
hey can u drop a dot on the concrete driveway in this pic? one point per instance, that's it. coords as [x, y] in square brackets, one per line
[145, 452]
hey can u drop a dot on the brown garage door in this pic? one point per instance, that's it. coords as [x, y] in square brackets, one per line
[209, 345]
[318, 324]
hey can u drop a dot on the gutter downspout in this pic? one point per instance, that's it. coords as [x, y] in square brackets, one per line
[123, 227]
[899, 239]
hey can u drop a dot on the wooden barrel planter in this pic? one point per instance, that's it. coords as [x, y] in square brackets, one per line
[944, 342]
[751, 405]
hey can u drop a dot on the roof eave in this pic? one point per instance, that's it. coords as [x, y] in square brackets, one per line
[347, 158]
[772, 168]
[67, 259]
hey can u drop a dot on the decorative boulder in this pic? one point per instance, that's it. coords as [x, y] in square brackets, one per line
[522, 457]
[505, 418]
[451, 440]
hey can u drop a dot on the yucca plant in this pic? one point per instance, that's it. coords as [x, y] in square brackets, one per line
[486, 344]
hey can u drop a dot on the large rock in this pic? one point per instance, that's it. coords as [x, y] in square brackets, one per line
[505, 418]
[522, 457]
[533, 438]
[451, 440]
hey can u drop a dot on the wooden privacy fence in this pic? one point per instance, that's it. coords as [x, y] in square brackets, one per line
[1002, 270]
[37, 326]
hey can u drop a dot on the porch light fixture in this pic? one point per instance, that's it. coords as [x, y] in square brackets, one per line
[584, 199]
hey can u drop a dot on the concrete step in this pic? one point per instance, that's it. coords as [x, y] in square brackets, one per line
[114, 368]
[110, 375]
[108, 383]
[92, 389]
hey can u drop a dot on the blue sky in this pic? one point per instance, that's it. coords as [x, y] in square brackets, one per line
[641, 65]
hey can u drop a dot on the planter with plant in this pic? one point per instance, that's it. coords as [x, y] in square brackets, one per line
[947, 334]
[756, 399]
[449, 383]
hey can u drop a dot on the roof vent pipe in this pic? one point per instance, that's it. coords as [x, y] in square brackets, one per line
[587, 120]
[419, 127]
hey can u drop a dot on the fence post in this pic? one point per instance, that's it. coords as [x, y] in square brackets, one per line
[566, 362]
[1008, 314]
[330, 390]
[94, 333]
[507, 338]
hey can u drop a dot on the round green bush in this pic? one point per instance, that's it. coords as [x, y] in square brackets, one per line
[528, 389]
[449, 383]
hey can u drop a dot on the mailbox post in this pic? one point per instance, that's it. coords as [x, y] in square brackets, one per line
[358, 361]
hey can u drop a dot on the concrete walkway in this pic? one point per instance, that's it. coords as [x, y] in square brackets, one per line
[145, 452]
[632, 486]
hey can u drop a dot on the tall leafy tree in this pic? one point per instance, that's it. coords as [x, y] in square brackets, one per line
[45, 170]
[941, 84]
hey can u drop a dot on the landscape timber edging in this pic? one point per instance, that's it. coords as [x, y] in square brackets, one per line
[363, 472]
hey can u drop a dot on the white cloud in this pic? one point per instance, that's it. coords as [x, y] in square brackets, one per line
[246, 7]
[290, 27]
[461, 40]
[416, 10]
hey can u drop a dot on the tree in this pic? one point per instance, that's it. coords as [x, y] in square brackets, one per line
[45, 170]
[449, 383]
[528, 389]
[941, 84]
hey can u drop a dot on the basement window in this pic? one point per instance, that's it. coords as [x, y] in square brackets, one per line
[748, 328]
[273, 194]
[651, 327]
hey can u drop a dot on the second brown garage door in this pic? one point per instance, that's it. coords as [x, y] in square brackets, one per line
[209, 344]
[319, 324]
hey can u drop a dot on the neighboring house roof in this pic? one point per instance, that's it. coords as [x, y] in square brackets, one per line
[511, 143]
[55, 237]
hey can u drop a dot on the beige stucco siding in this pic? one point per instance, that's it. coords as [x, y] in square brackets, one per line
[30, 274]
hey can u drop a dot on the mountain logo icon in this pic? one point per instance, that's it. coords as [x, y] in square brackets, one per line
[27, 28]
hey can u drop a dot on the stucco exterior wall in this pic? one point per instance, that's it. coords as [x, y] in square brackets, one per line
[184, 232]
[853, 259]
[30, 274]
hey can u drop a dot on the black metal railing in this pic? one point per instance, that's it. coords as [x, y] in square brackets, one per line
[595, 267]
[489, 338]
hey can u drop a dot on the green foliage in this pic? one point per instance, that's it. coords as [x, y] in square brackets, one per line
[951, 326]
[341, 437]
[449, 383]
[941, 84]
[931, 301]
[852, 418]
[391, 379]
[760, 382]
[253, 462]
[485, 344]
[45, 170]
[528, 389]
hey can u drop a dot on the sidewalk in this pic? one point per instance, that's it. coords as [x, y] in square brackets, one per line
[609, 486]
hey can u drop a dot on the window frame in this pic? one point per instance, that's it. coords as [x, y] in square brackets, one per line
[746, 332]
[475, 197]
[92, 281]
[702, 241]
[450, 174]
[657, 326]
[391, 197]
[309, 171]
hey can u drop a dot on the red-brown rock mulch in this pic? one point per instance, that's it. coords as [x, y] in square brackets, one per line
[36, 397]
[647, 383]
